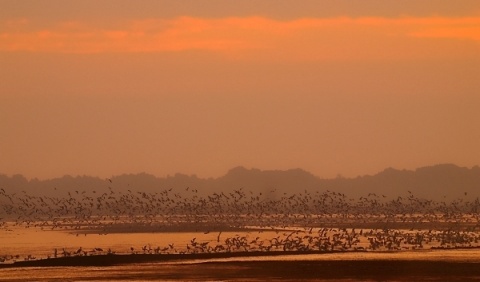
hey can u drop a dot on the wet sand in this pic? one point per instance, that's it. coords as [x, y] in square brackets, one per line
[199, 267]
[378, 270]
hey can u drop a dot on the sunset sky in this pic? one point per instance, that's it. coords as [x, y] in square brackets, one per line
[336, 87]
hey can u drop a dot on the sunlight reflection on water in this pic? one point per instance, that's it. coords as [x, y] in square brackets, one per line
[25, 241]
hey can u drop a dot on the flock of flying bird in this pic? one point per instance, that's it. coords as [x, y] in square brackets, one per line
[304, 221]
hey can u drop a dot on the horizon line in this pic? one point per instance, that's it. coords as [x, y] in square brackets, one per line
[339, 175]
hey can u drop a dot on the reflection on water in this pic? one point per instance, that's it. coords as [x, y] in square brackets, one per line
[434, 255]
[30, 243]
[41, 244]
[21, 243]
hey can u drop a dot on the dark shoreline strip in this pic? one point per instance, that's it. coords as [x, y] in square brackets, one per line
[377, 270]
[116, 259]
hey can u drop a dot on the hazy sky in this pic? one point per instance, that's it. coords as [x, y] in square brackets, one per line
[334, 87]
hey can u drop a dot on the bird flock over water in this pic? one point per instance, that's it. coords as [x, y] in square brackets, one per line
[322, 221]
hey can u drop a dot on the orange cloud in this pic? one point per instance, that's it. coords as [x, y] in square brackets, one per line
[309, 38]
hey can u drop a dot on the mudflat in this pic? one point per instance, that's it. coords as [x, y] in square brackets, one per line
[148, 267]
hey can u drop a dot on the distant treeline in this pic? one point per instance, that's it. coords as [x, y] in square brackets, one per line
[439, 182]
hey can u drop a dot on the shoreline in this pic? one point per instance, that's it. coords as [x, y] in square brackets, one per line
[150, 267]
[117, 259]
[113, 259]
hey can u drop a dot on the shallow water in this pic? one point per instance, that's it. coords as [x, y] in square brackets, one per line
[41, 244]
[35, 243]
[38, 243]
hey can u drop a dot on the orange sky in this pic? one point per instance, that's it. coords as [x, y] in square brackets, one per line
[198, 87]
